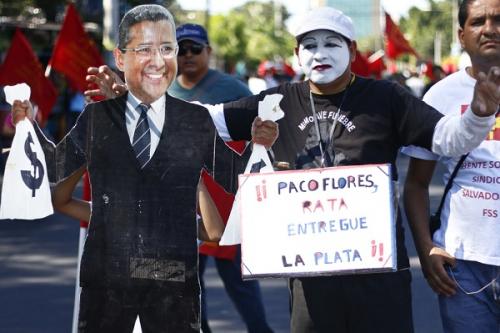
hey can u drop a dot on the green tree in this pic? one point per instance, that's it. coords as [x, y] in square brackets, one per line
[420, 27]
[234, 39]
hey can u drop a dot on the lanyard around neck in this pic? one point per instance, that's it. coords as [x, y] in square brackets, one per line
[335, 120]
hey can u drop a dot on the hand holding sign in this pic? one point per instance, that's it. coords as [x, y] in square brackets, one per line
[264, 127]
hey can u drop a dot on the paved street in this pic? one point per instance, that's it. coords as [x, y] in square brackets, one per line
[37, 277]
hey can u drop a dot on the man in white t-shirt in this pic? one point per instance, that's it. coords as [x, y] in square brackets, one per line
[461, 261]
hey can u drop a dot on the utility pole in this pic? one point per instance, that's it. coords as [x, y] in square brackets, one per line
[110, 23]
[455, 44]
[278, 18]
[207, 15]
[437, 47]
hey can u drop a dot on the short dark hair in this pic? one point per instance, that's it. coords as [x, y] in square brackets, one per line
[138, 14]
[463, 12]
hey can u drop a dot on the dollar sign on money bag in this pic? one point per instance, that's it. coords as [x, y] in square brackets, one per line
[32, 181]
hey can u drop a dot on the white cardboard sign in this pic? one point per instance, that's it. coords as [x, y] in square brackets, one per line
[318, 222]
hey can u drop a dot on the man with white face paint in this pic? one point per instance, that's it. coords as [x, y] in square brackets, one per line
[336, 118]
[324, 56]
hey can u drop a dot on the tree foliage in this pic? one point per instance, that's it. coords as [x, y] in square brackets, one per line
[251, 33]
[420, 27]
[49, 8]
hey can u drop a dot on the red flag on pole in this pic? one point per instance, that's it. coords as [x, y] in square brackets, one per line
[360, 66]
[396, 43]
[224, 202]
[376, 64]
[22, 65]
[74, 51]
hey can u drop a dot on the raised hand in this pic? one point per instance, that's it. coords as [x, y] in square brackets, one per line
[108, 83]
[487, 93]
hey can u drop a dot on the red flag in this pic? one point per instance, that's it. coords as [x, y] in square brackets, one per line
[428, 70]
[22, 65]
[360, 66]
[224, 202]
[376, 64]
[396, 43]
[74, 51]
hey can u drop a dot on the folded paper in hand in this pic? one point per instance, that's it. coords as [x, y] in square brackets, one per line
[259, 161]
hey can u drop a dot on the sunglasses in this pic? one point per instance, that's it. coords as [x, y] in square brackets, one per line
[194, 48]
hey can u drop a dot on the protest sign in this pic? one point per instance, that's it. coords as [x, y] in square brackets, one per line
[318, 222]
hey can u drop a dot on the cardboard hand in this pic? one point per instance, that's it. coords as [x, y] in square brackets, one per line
[108, 83]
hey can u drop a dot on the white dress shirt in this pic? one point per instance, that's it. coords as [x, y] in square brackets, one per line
[156, 119]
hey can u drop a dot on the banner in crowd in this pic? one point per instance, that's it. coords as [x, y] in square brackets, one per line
[318, 222]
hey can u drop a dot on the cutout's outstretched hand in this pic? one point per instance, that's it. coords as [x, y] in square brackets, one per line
[108, 83]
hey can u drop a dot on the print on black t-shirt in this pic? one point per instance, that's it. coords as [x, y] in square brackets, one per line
[310, 156]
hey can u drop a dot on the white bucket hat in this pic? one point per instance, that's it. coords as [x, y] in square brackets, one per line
[326, 18]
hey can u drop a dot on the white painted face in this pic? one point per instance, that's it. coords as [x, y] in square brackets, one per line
[323, 56]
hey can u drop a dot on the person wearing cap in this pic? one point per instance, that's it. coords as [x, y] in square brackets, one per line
[336, 118]
[197, 82]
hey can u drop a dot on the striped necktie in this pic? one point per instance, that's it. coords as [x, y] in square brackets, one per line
[142, 136]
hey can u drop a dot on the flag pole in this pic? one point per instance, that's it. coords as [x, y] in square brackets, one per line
[48, 70]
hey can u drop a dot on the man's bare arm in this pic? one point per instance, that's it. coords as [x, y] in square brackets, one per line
[211, 227]
[416, 200]
[64, 202]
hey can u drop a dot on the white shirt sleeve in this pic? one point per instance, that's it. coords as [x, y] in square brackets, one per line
[217, 113]
[456, 135]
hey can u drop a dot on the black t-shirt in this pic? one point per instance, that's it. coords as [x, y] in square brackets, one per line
[376, 118]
